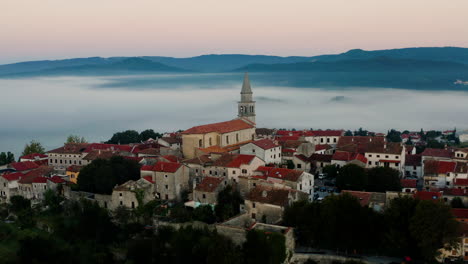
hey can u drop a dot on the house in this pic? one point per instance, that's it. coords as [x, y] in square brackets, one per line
[27, 189]
[39, 186]
[265, 149]
[171, 180]
[438, 173]
[9, 185]
[342, 158]
[23, 166]
[413, 166]
[73, 172]
[70, 154]
[171, 142]
[287, 178]
[373, 200]
[461, 154]
[33, 157]
[131, 193]
[206, 192]
[267, 205]
[409, 185]
[436, 154]
[330, 137]
[386, 154]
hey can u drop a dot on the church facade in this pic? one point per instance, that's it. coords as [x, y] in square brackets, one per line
[224, 134]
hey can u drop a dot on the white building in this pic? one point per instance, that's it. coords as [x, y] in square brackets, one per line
[265, 149]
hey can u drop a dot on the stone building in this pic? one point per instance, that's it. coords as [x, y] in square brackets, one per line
[70, 154]
[171, 180]
[265, 149]
[223, 134]
[126, 194]
[206, 192]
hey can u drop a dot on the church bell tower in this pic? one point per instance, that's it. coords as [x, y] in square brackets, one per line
[246, 104]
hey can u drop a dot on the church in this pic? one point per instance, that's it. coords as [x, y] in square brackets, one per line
[220, 136]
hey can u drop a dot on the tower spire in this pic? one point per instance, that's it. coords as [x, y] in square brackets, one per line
[246, 84]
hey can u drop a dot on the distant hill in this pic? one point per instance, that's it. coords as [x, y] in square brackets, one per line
[407, 59]
[107, 67]
[375, 64]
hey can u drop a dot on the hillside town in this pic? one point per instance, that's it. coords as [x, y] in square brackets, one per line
[269, 169]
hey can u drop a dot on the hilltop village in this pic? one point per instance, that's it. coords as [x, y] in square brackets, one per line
[239, 177]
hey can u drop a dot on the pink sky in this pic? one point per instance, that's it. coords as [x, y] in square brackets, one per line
[54, 29]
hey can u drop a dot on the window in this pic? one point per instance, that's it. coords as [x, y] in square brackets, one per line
[133, 204]
[299, 165]
[300, 187]
[253, 205]
[200, 143]
[254, 184]
[120, 194]
[378, 156]
[386, 156]
[203, 196]
[253, 216]
[334, 140]
[376, 163]
[244, 171]
[321, 140]
[396, 157]
[370, 162]
[328, 140]
[167, 197]
[370, 155]
[227, 139]
[233, 172]
[165, 175]
[253, 150]
[121, 203]
[166, 186]
[210, 141]
[237, 137]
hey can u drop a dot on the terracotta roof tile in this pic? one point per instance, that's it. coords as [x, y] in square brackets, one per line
[363, 197]
[265, 144]
[222, 127]
[149, 179]
[427, 196]
[442, 153]
[24, 166]
[170, 167]
[56, 179]
[273, 196]
[413, 160]
[70, 148]
[408, 183]
[281, 173]
[13, 176]
[209, 184]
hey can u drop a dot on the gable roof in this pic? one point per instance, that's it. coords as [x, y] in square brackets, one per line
[408, 183]
[221, 127]
[265, 144]
[70, 148]
[441, 153]
[33, 156]
[163, 166]
[363, 197]
[439, 167]
[13, 176]
[40, 179]
[347, 156]
[24, 165]
[209, 184]
[148, 178]
[413, 160]
[56, 179]
[280, 173]
[266, 195]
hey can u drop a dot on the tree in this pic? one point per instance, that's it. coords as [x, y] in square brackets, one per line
[76, 139]
[348, 133]
[290, 164]
[432, 143]
[33, 147]
[149, 133]
[352, 177]
[433, 226]
[19, 203]
[264, 247]
[331, 171]
[125, 137]
[457, 203]
[394, 136]
[382, 179]
[204, 213]
[6, 158]
[361, 132]
[52, 201]
[101, 176]
[228, 203]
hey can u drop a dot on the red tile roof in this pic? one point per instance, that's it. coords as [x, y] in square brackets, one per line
[427, 196]
[273, 196]
[280, 173]
[39, 179]
[286, 138]
[112, 147]
[170, 167]
[209, 184]
[347, 156]
[460, 213]
[70, 148]
[34, 156]
[461, 182]
[149, 178]
[408, 183]
[24, 166]
[239, 160]
[13, 176]
[222, 127]
[322, 147]
[171, 158]
[442, 153]
[413, 160]
[288, 133]
[149, 151]
[56, 179]
[74, 168]
[439, 167]
[265, 144]
[321, 157]
[147, 168]
[288, 150]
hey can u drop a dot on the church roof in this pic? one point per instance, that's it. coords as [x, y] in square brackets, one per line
[222, 127]
[246, 85]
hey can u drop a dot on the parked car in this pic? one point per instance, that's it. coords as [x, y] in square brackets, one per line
[322, 176]
[319, 199]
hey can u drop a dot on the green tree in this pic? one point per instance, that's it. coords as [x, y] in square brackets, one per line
[228, 203]
[101, 176]
[52, 201]
[352, 177]
[33, 147]
[290, 164]
[204, 213]
[149, 133]
[331, 171]
[432, 143]
[75, 139]
[457, 203]
[382, 179]
[6, 158]
[125, 137]
[264, 247]
[19, 203]
[348, 133]
[433, 226]
[394, 136]
[361, 132]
